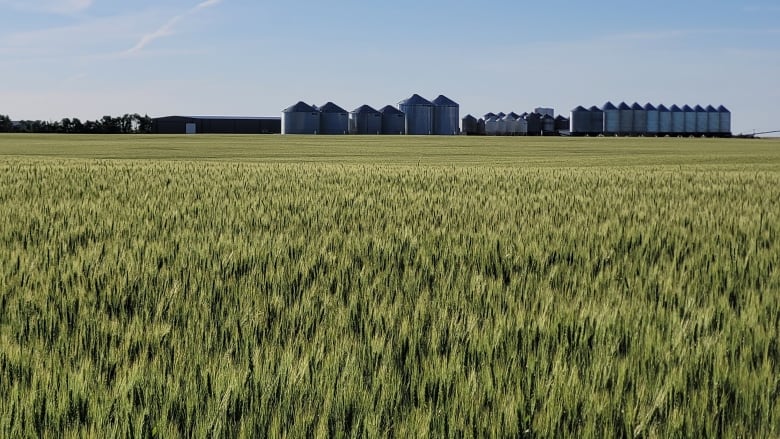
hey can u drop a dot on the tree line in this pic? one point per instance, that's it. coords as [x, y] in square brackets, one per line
[127, 124]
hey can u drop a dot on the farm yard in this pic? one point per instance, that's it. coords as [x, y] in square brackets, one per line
[250, 286]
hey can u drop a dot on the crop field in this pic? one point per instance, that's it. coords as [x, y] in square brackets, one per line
[240, 286]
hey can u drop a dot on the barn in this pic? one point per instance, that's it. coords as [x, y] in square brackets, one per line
[216, 125]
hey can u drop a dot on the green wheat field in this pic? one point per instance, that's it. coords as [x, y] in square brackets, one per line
[247, 286]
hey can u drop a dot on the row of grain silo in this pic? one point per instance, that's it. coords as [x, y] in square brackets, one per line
[527, 124]
[650, 120]
[414, 116]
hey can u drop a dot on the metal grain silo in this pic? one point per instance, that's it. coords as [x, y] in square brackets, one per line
[301, 118]
[489, 115]
[596, 121]
[561, 123]
[701, 120]
[548, 125]
[365, 120]
[611, 119]
[333, 119]
[626, 119]
[512, 127]
[640, 119]
[491, 126]
[690, 120]
[446, 114]
[678, 120]
[500, 115]
[652, 119]
[393, 120]
[664, 120]
[502, 128]
[713, 121]
[534, 122]
[725, 121]
[522, 125]
[419, 115]
[580, 121]
[469, 125]
[481, 126]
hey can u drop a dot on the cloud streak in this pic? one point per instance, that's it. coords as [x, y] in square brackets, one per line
[63, 7]
[168, 28]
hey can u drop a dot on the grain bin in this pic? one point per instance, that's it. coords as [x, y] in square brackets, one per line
[611, 119]
[481, 126]
[522, 125]
[489, 115]
[419, 115]
[393, 120]
[678, 120]
[333, 119]
[534, 123]
[500, 115]
[652, 121]
[446, 114]
[713, 121]
[690, 120]
[561, 124]
[501, 124]
[548, 125]
[664, 120]
[365, 120]
[512, 127]
[640, 119]
[596, 121]
[725, 121]
[626, 119]
[701, 120]
[469, 125]
[580, 121]
[300, 118]
[491, 126]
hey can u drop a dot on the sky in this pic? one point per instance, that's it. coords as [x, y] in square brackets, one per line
[89, 58]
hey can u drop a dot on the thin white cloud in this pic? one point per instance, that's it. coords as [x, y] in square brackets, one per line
[49, 6]
[167, 29]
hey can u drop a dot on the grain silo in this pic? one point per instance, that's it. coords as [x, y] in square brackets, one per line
[626, 119]
[301, 118]
[725, 121]
[561, 123]
[419, 115]
[713, 121]
[491, 126]
[365, 120]
[548, 125]
[652, 120]
[611, 119]
[664, 120]
[640, 119]
[501, 129]
[534, 123]
[678, 120]
[333, 119]
[596, 121]
[500, 115]
[469, 125]
[522, 125]
[489, 115]
[446, 114]
[481, 126]
[393, 120]
[690, 120]
[701, 120]
[580, 121]
[512, 127]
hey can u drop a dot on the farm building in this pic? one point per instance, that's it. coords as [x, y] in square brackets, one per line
[216, 125]
[301, 118]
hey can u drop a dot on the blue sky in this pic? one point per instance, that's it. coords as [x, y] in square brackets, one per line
[88, 58]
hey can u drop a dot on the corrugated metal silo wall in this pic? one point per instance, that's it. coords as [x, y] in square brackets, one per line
[653, 122]
[393, 123]
[725, 121]
[365, 123]
[491, 126]
[334, 123]
[596, 121]
[419, 119]
[445, 120]
[678, 121]
[713, 121]
[548, 124]
[501, 130]
[469, 125]
[702, 123]
[580, 121]
[301, 122]
[626, 121]
[513, 126]
[640, 121]
[522, 126]
[481, 126]
[534, 123]
[690, 120]
[664, 122]
[611, 121]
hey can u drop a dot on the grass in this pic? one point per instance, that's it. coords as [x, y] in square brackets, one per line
[360, 286]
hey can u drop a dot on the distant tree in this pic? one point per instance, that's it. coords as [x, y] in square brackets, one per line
[145, 124]
[6, 125]
[77, 126]
[66, 125]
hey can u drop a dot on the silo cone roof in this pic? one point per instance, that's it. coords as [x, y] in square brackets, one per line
[636, 106]
[579, 109]
[675, 109]
[489, 115]
[662, 107]
[711, 109]
[390, 110]
[300, 107]
[687, 108]
[699, 108]
[470, 117]
[595, 108]
[444, 101]
[514, 115]
[500, 115]
[608, 106]
[623, 106]
[330, 107]
[364, 109]
[723, 109]
[416, 100]
[649, 107]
